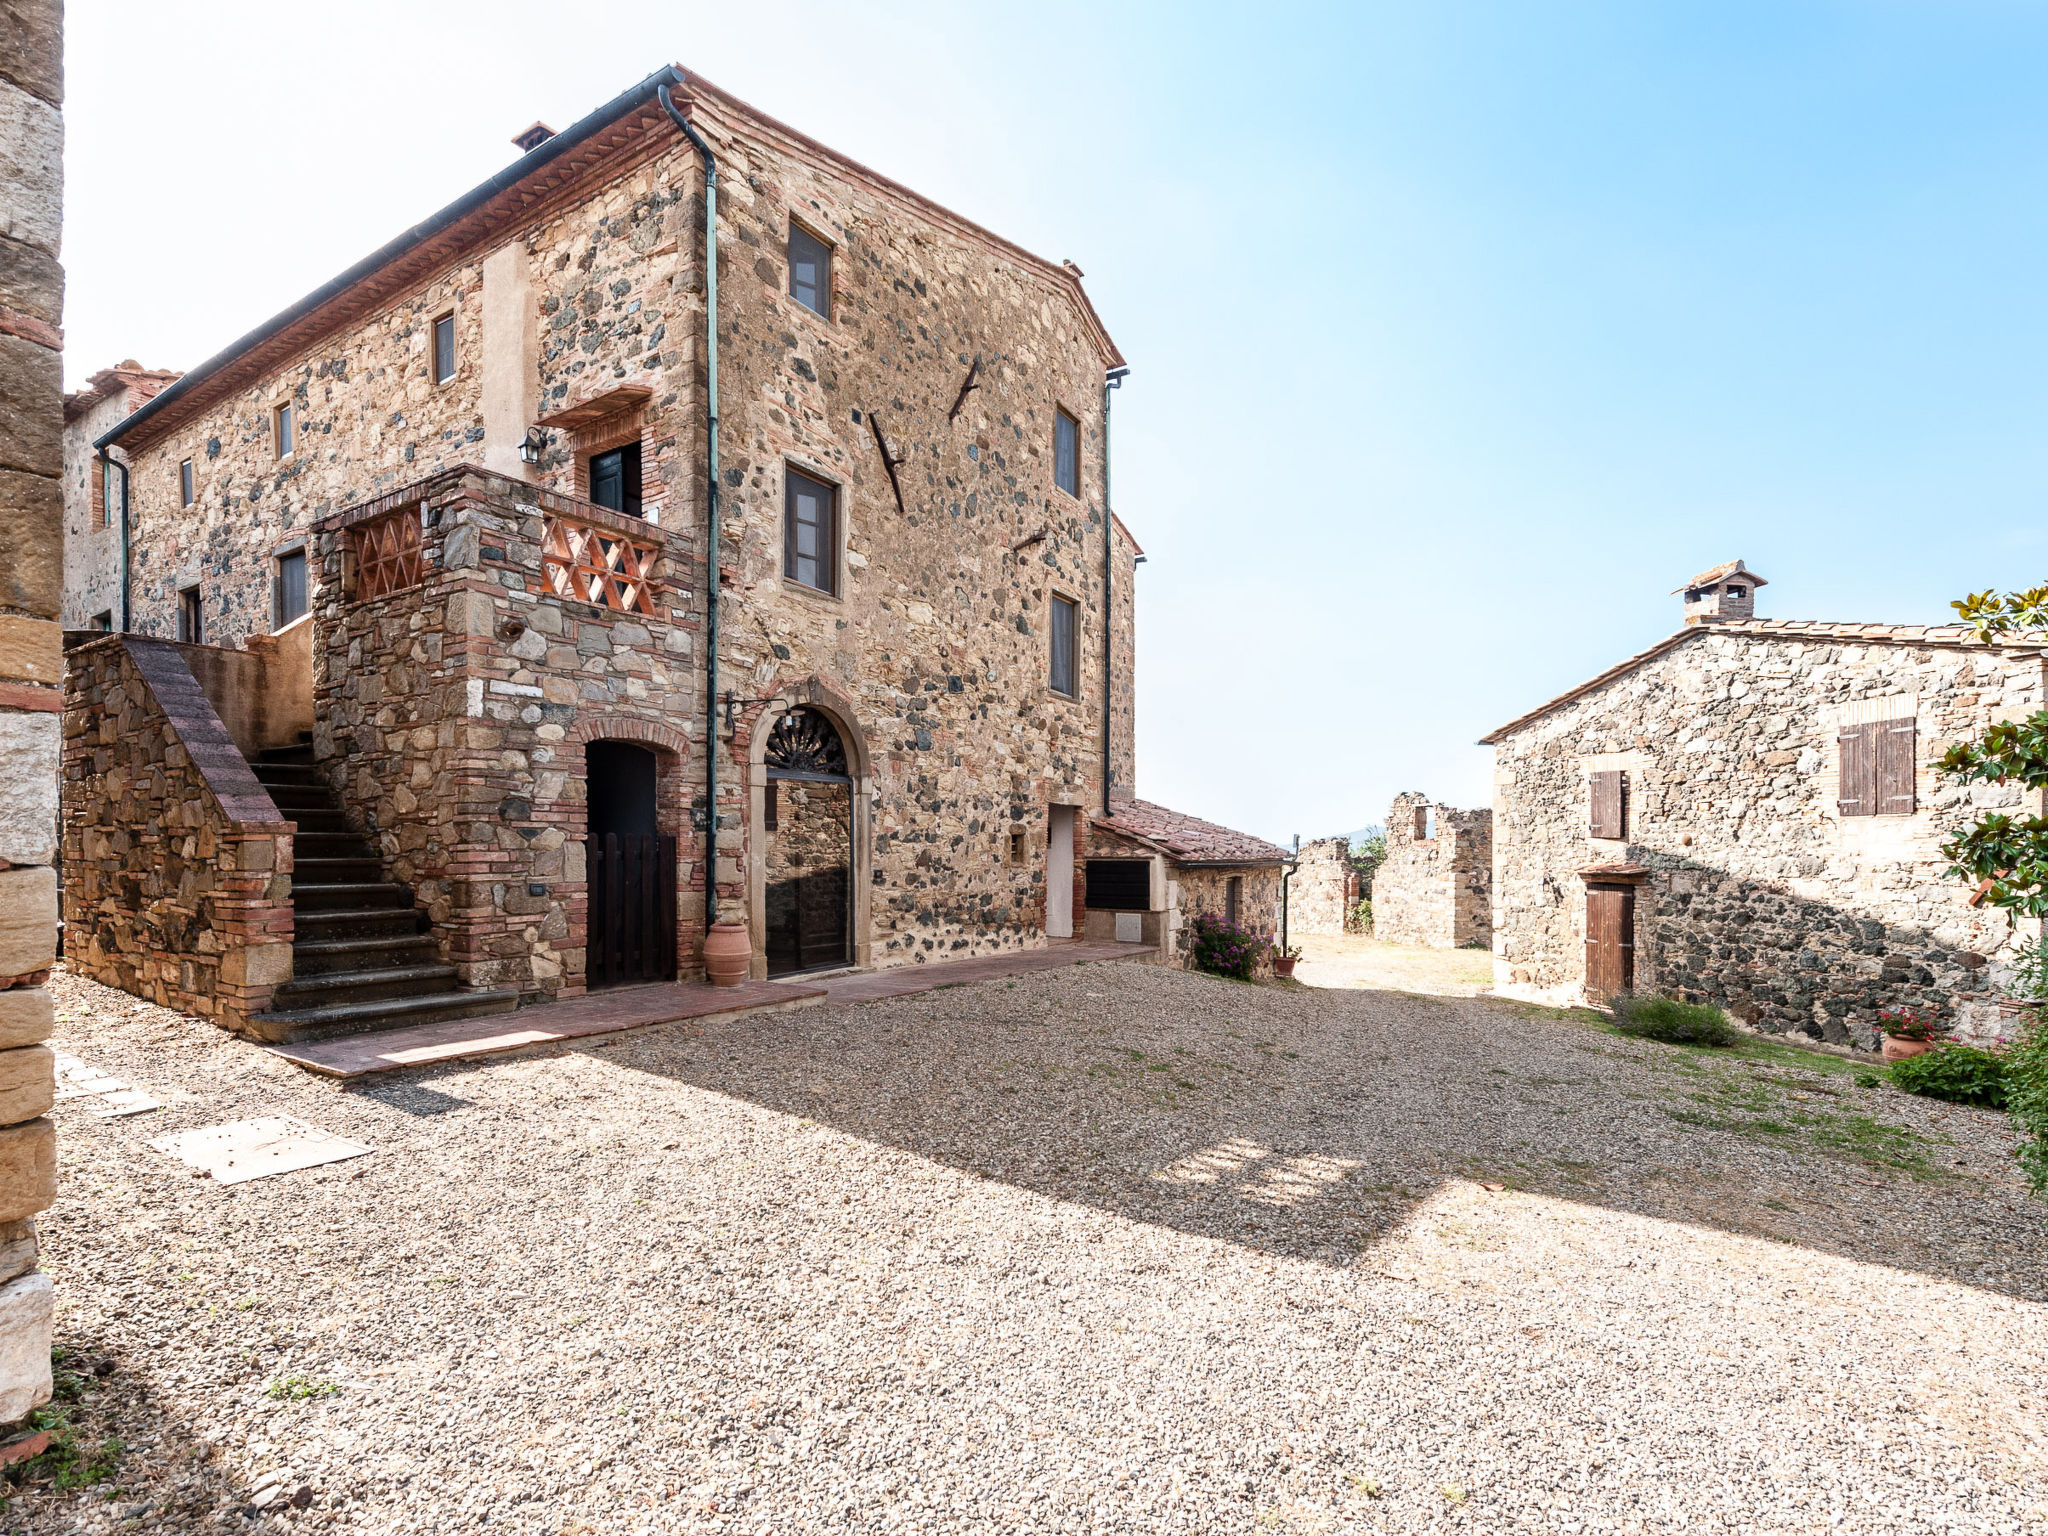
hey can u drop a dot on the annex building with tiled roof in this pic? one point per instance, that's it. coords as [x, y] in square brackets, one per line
[1748, 813]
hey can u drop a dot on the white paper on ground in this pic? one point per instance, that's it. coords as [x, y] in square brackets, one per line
[253, 1149]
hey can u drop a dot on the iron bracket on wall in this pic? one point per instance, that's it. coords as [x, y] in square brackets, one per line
[966, 388]
[734, 704]
[888, 463]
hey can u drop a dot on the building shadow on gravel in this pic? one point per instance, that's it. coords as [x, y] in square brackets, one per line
[133, 1461]
[1313, 1124]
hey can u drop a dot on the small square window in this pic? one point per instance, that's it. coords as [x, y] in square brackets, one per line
[615, 478]
[1017, 846]
[289, 597]
[810, 271]
[185, 483]
[1066, 454]
[190, 619]
[444, 349]
[1065, 673]
[810, 532]
[281, 422]
[103, 621]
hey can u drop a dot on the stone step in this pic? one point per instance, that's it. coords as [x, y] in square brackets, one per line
[376, 983]
[351, 894]
[359, 923]
[302, 753]
[311, 844]
[301, 774]
[322, 868]
[300, 1024]
[328, 954]
[311, 797]
[312, 820]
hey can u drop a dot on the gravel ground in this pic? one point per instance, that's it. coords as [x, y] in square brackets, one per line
[1101, 1249]
[1358, 960]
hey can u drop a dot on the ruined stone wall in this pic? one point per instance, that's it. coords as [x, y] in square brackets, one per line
[1761, 895]
[31, 592]
[1436, 890]
[177, 867]
[1318, 899]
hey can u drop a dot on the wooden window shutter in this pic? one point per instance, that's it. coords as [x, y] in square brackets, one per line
[1608, 820]
[1896, 762]
[1857, 793]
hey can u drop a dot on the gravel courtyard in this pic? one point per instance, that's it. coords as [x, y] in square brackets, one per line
[1102, 1249]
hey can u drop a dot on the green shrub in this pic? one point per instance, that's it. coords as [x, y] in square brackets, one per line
[1962, 1074]
[2026, 1100]
[1673, 1022]
[1361, 917]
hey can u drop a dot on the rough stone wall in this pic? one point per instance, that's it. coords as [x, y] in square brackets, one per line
[177, 867]
[1761, 896]
[1205, 889]
[1318, 896]
[1435, 891]
[31, 592]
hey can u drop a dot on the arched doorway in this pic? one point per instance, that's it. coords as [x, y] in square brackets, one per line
[631, 869]
[807, 827]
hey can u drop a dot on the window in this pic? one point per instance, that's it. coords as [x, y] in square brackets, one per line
[1066, 453]
[1425, 823]
[810, 271]
[444, 349]
[282, 430]
[185, 483]
[189, 623]
[615, 479]
[1064, 671]
[810, 532]
[1233, 899]
[1016, 845]
[1610, 805]
[1878, 764]
[110, 497]
[103, 621]
[1738, 591]
[289, 600]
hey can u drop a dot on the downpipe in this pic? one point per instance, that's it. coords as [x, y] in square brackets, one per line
[1113, 379]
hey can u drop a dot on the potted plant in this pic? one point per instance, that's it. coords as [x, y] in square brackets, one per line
[1283, 959]
[1908, 1032]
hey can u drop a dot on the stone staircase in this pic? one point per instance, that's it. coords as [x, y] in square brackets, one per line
[362, 958]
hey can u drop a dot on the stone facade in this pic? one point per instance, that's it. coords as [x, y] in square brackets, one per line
[31, 594]
[1753, 882]
[1323, 888]
[92, 497]
[177, 866]
[1436, 886]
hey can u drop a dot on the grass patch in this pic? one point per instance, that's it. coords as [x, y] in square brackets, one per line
[1673, 1022]
[299, 1388]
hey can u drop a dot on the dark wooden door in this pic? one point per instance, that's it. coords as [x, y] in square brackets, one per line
[1610, 941]
[632, 908]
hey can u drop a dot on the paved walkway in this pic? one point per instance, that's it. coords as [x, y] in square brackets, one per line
[622, 1008]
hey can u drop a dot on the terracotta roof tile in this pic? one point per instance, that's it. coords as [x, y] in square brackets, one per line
[1188, 839]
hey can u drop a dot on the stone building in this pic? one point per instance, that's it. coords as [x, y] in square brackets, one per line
[1435, 886]
[471, 481]
[92, 496]
[31, 588]
[1748, 813]
[1323, 888]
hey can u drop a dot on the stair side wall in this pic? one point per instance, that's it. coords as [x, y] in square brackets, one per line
[177, 865]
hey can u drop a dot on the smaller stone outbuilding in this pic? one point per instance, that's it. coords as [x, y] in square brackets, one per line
[1436, 886]
[1194, 866]
[1323, 888]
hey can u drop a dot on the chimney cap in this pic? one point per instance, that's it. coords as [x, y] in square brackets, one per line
[533, 137]
[1727, 571]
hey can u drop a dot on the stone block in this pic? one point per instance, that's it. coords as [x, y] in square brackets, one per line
[31, 169]
[28, 1169]
[27, 1015]
[18, 1249]
[28, 1314]
[32, 554]
[31, 281]
[31, 402]
[28, 920]
[31, 650]
[28, 1083]
[31, 744]
[32, 47]
[257, 965]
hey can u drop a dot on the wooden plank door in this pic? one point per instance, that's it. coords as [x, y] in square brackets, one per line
[1610, 941]
[632, 909]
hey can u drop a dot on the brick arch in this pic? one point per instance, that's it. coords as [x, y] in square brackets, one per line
[816, 691]
[630, 728]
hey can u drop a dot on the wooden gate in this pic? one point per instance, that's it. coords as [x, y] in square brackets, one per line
[1610, 941]
[632, 909]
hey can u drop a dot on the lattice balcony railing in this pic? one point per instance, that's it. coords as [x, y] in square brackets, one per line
[388, 554]
[598, 566]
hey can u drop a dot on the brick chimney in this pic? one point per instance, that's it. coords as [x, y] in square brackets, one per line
[1726, 592]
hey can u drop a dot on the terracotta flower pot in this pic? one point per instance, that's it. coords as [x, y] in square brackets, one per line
[726, 953]
[1284, 966]
[1899, 1050]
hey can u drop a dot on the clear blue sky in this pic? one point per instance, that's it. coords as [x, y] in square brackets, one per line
[1461, 333]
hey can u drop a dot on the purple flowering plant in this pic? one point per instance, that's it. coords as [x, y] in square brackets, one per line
[1225, 948]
